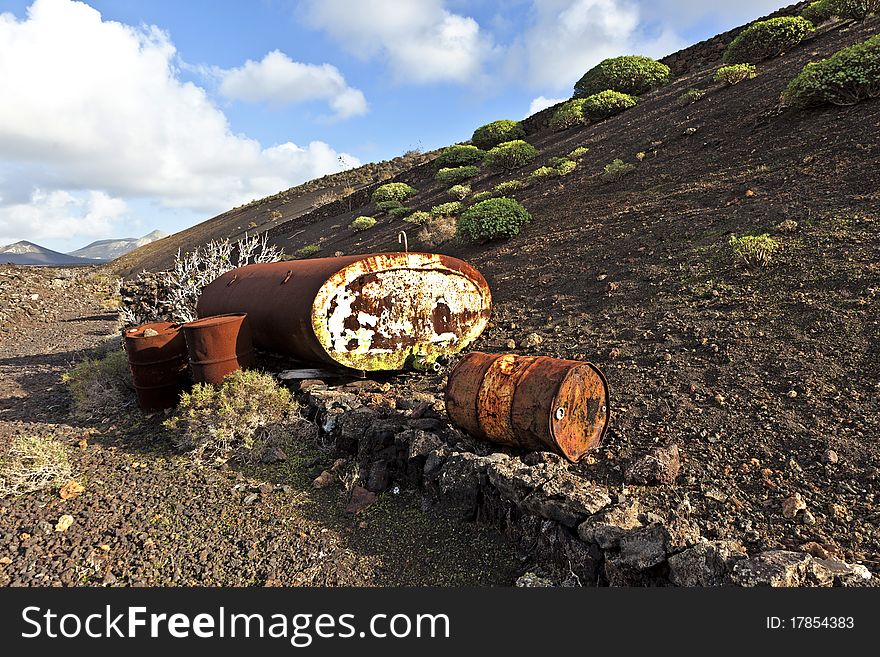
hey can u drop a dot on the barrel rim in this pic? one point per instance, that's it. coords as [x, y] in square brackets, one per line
[162, 328]
[213, 320]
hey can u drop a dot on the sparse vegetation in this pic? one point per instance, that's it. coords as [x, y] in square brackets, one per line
[578, 152]
[387, 206]
[458, 156]
[855, 9]
[362, 223]
[459, 192]
[765, 39]
[606, 104]
[633, 75]
[33, 463]
[497, 132]
[101, 387]
[754, 251]
[308, 250]
[565, 167]
[452, 176]
[509, 186]
[616, 169]
[418, 217]
[237, 420]
[847, 77]
[492, 219]
[735, 73]
[691, 96]
[400, 212]
[482, 196]
[542, 172]
[446, 209]
[437, 230]
[395, 191]
[511, 155]
[569, 115]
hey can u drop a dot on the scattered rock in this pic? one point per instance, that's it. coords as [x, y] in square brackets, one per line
[273, 454]
[661, 466]
[533, 340]
[705, 564]
[64, 523]
[511, 344]
[607, 527]
[830, 457]
[323, 480]
[71, 490]
[150, 333]
[360, 499]
[531, 580]
[791, 506]
[783, 568]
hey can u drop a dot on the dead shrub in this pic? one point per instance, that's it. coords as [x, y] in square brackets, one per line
[102, 386]
[33, 463]
[437, 230]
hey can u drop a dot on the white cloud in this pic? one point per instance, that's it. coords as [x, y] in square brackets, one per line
[542, 103]
[97, 105]
[421, 41]
[58, 214]
[279, 80]
[568, 37]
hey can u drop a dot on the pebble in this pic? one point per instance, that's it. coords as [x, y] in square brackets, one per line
[792, 505]
[830, 456]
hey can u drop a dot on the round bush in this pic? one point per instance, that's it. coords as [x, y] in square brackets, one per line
[492, 219]
[388, 206]
[396, 191]
[446, 209]
[632, 74]
[735, 73]
[497, 132]
[857, 9]
[766, 39]
[482, 196]
[455, 175]
[850, 75]
[569, 115]
[458, 156]
[418, 217]
[511, 155]
[819, 12]
[362, 223]
[607, 103]
[459, 192]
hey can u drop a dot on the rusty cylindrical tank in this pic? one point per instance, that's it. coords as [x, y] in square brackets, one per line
[530, 402]
[385, 311]
[218, 346]
[158, 364]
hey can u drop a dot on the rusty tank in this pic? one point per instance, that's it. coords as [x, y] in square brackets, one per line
[157, 358]
[534, 403]
[218, 346]
[384, 311]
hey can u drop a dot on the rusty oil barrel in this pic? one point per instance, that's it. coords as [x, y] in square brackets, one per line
[218, 346]
[385, 311]
[158, 364]
[530, 402]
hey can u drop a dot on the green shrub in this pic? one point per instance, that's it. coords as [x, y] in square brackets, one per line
[492, 219]
[606, 104]
[400, 212]
[387, 206]
[856, 9]
[766, 39]
[497, 132]
[482, 196]
[418, 217]
[754, 251]
[236, 420]
[395, 191]
[565, 167]
[511, 155]
[633, 75]
[33, 463]
[508, 186]
[101, 387]
[458, 156]
[308, 250]
[452, 176]
[569, 115]
[819, 12]
[735, 73]
[446, 209]
[542, 172]
[362, 223]
[850, 75]
[616, 169]
[578, 152]
[459, 192]
[691, 96]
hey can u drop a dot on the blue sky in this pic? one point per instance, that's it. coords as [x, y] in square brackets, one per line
[123, 116]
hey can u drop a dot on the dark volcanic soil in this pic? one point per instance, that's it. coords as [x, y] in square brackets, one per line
[148, 517]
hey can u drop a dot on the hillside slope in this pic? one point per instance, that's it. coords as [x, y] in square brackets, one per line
[28, 253]
[114, 248]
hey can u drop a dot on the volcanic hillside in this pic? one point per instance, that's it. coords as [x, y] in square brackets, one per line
[768, 380]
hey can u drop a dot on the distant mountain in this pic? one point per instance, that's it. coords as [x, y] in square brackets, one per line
[112, 249]
[28, 253]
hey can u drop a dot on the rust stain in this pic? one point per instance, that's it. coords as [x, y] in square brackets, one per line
[218, 346]
[158, 363]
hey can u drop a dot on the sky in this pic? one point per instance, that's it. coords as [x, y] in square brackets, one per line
[119, 117]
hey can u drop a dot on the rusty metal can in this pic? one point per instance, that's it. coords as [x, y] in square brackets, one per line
[530, 402]
[157, 358]
[384, 311]
[218, 346]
